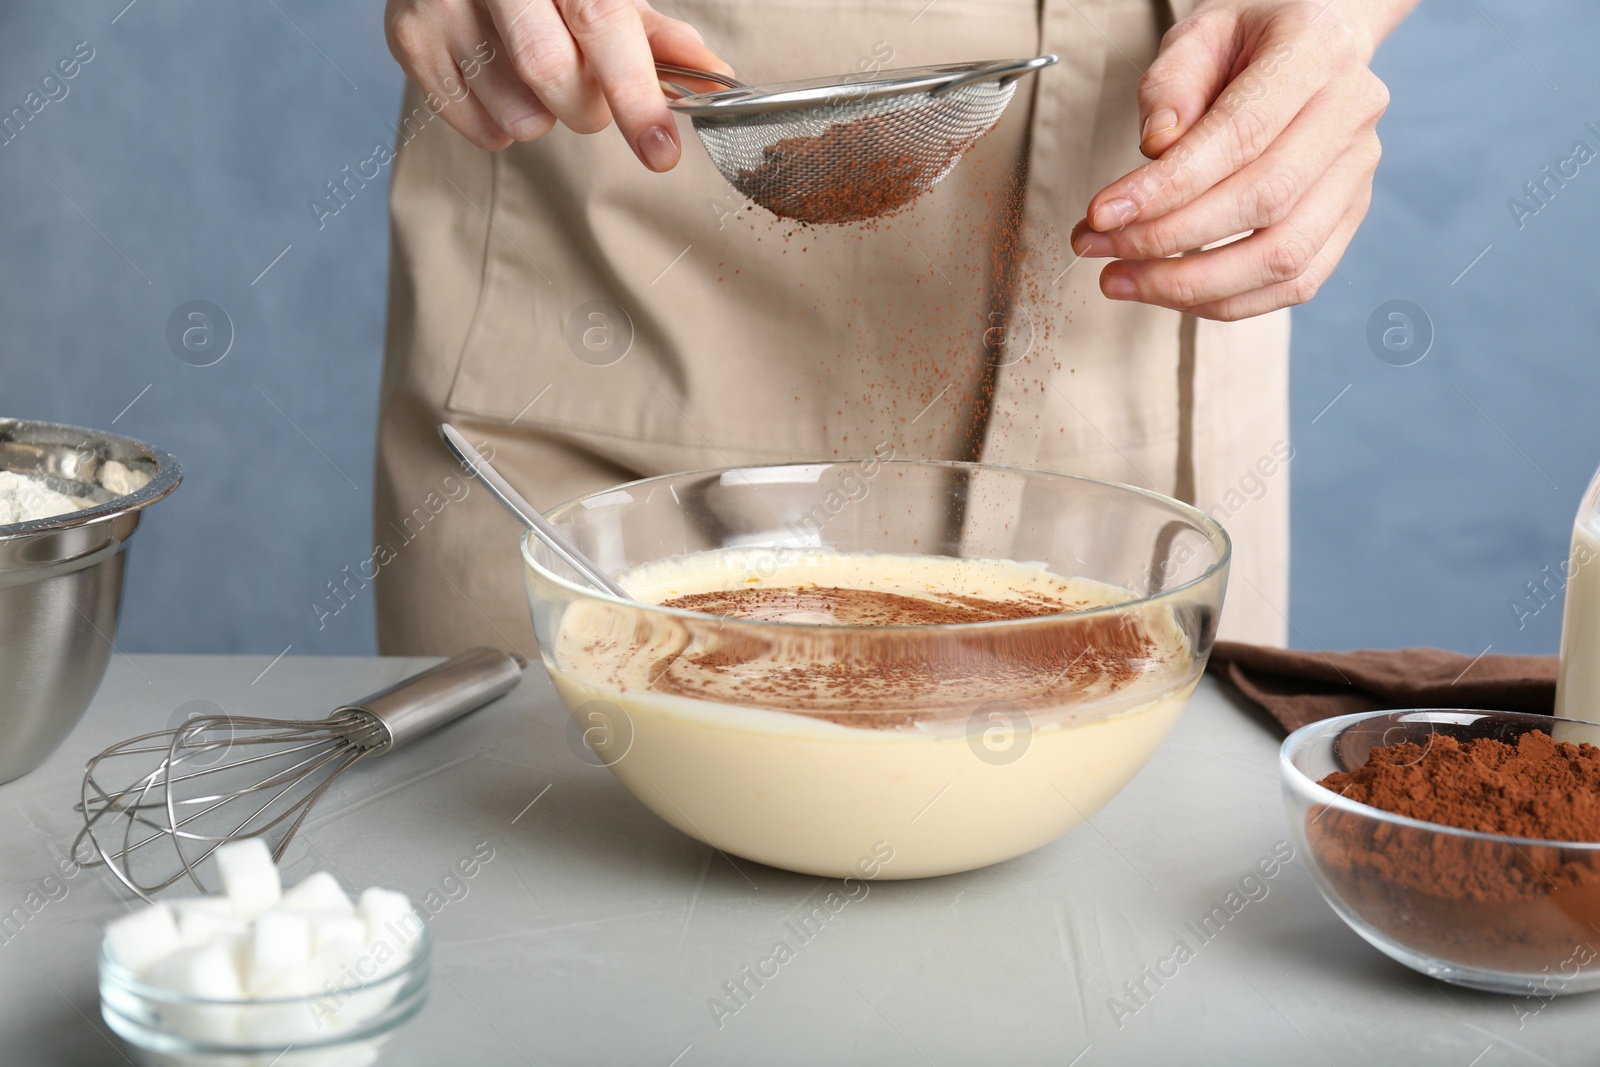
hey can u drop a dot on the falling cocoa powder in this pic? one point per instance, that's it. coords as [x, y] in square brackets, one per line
[956, 324]
[1493, 903]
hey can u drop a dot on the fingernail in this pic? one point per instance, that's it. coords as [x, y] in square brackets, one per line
[1159, 121]
[657, 148]
[1113, 214]
[1117, 286]
[529, 127]
[1086, 242]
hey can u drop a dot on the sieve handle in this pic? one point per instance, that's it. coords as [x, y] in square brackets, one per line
[418, 705]
[1005, 71]
[700, 75]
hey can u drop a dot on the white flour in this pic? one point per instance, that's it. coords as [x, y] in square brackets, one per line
[121, 479]
[23, 499]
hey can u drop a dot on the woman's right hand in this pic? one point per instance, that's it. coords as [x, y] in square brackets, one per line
[509, 70]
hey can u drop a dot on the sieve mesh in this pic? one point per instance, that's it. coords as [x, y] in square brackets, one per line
[850, 159]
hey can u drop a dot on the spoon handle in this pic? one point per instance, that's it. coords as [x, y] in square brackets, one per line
[502, 491]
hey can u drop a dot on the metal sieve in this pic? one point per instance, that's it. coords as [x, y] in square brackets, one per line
[851, 147]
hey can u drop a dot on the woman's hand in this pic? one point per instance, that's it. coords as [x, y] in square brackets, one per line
[509, 70]
[1260, 117]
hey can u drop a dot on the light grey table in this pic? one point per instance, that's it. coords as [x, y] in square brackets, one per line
[597, 934]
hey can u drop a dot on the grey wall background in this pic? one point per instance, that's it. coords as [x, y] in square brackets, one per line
[178, 167]
[1428, 495]
[180, 164]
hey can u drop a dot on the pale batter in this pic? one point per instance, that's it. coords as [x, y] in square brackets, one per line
[804, 746]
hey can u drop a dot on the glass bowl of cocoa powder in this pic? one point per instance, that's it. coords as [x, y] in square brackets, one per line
[1464, 844]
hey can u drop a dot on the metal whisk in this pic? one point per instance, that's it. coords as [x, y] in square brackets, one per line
[847, 148]
[218, 778]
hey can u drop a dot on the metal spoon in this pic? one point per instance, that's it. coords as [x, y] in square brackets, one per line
[501, 490]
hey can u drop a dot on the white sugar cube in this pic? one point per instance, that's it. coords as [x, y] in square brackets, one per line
[353, 993]
[201, 923]
[388, 915]
[249, 876]
[280, 945]
[142, 938]
[318, 892]
[301, 982]
[316, 1017]
[237, 948]
[392, 930]
[215, 904]
[210, 1023]
[333, 974]
[209, 971]
[334, 965]
[287, 1023]
[329, 931]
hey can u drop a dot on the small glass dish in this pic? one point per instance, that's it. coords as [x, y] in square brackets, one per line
[1504, 914]
[345, 1027]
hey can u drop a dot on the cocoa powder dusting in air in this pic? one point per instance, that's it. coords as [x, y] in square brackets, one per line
[940, 319]
[1479, 902]
[928, 362]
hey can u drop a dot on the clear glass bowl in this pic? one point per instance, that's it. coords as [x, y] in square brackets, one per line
[1504, 914]
[988, 752]
[342, 1028]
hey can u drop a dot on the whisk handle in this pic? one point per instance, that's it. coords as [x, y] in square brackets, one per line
[422, 703]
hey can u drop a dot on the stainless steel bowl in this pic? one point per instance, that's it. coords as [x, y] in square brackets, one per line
[61, 581]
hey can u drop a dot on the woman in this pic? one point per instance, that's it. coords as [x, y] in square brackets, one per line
[600, 308]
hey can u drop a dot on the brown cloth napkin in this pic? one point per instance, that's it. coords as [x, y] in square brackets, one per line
[1297, 687]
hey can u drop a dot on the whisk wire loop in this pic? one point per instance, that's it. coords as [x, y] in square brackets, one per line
[218, 778]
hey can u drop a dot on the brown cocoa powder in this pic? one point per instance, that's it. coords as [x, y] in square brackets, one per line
[840, 606]
[1060, 658]
[1491, 903]
[845, 174]
[1535, 788]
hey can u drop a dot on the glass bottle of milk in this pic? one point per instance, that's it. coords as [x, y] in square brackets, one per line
[1578, 682]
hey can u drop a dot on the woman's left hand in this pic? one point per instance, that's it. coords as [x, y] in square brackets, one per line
[1260, 118]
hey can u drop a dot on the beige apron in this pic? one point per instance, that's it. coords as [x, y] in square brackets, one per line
[594, 323]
